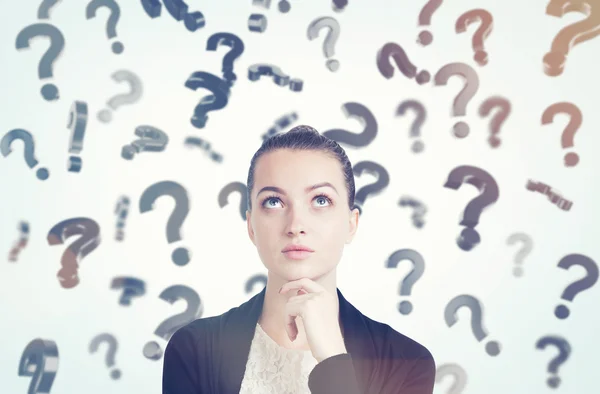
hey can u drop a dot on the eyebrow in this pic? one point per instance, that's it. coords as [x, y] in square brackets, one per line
[309, 188]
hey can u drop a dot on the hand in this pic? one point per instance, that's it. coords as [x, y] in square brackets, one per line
[317, 308]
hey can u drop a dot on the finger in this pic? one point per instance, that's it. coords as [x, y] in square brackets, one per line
[306, 284]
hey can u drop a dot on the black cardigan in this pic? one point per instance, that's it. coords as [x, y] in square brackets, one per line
[209, 355]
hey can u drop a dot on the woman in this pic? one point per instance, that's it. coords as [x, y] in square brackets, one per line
[299, 334]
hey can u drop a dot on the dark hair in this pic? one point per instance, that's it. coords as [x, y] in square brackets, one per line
[304, 137]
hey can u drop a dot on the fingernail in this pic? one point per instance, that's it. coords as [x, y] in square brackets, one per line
[280, 289]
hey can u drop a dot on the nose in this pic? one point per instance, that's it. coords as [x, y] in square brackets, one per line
[295, 223]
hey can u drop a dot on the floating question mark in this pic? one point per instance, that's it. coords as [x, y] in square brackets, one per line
[235, 187]
[284, 6]
[27, 138]
[119, 100]
[167, 328]
[492, 348]
[366, 118]
[256, 70]
[178, 10]
[564, 349]
[90, 239]
[459, 108]
[151, 139]
[121, 210]
[485, 28]
[419, 210]
[415, 130]
[405, 307]
[576, 33]
[489, 193]
[57, 44]
[132, 287]
[39, 360]
[110, 354]
[237, 48]
[251, 283]
[111, 24]
[329, 44]
[44, 8]
[217, 100]
[576, 118]
[189, 141]
[280, 124]
[425, 37]
[373, 189]
[258, 22]
[460, 377]
[23, 228]
[498, 119]
[77, 124]
[395, 51]
[589, 280]
[339, 5]
[523, 252]
[180, 256]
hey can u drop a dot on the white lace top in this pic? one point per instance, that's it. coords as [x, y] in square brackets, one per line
[273, 369]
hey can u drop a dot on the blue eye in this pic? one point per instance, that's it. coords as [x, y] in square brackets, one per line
[274, 197]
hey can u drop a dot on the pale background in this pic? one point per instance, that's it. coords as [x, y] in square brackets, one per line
[517, 311]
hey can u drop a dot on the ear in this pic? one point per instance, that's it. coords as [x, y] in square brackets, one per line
[249, 225]
[352, 224]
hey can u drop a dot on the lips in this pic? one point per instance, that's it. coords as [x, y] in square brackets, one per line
[296, 247]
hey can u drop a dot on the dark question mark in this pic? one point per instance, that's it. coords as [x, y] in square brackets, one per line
[395, 51]
[405, 307]
[415, 130]
[25, 136]
[111, 24]
[132, 287]
[44, 8]
[220, 90]
[489, 193]
[110, 354]
[237, 48]
[373, 189]
[178, 10]
[255, 71]
[564, 349]
[366, 118]
[254, 279]
[235, 187]
[589, 280]
[40, 361]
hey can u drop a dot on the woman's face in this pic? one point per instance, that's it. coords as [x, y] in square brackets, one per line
[286, 210]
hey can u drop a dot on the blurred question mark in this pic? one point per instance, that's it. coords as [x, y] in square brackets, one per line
[395, 51]
[151, 139]
[575, 120]
[40, 361]
[205, 145]
[492, 348]
[459, 108]
[373, 189]
[280, 124]
[237, 48]
[523, 252]
[415, 130]
[460, 377]
[485, 28]
[419, 210]
[119, 100]
[366, 118]
[20, 134]
[77, 124]
[258, 22]
[564, 349]
[121, 210]
[44, 8]
[425, 37]
[339, 5]
[235, 187]
[167, 328]
[256, 70]
[332, 36]
[111, 24]
[178, 10]
[576, 33]
[110, 354]
[180, 256]
[251, 283]
[405, 307]
[90, 239]
[489, 193]
[57, 44]
[23, 228]
[498, 119]
[589, 280]
[220, 90]
[132, 287]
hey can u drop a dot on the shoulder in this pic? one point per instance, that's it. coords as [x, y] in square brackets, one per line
[192, 336]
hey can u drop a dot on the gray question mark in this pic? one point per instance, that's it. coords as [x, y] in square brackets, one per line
[23, 228]
[498, 119]
[133, 96]
[591, 277]
[167, 328]
[132, 287]
[44, 8]
[523, 252]
[251, 283]
[57, 44]
[121, 209]
[373, 189]
[460, 377]
[40, 361]
[111, 24]
[258, 22]
[77, 124]
[415, 130]
[27, 138]
[280, 124]
[235, 187]
[565, 350]
[365, 116]
[492, 348]
[419, 210]
[151, 140]
[205, 145]
[256, 70]
[180, 256]
[405, 307]
[329, 44]
[391, 50]
[110, 354]
[459, 108]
